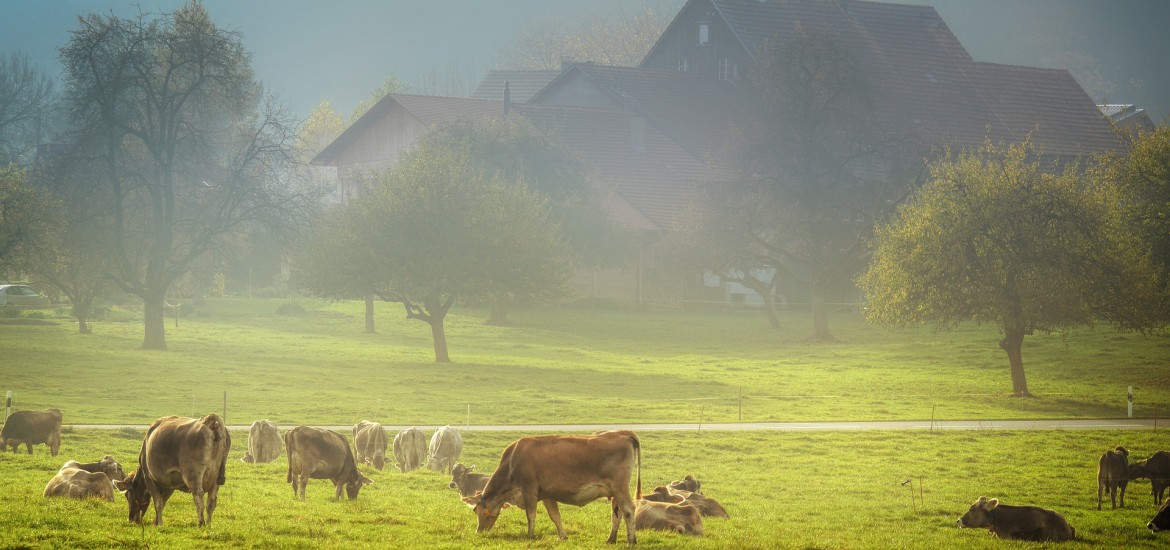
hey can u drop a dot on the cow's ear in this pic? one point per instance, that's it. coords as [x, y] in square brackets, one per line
[473, 500]
[505, 506]
[470, 468]
[991, 504]
[366, 480]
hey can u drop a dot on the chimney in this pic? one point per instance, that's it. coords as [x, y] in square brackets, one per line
[566, 62]
[507, 98]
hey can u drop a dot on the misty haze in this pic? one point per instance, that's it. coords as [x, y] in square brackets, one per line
[709, 273]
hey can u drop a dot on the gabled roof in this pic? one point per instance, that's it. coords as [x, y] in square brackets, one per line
[522, 85]
[1131, 116]
[431, 111]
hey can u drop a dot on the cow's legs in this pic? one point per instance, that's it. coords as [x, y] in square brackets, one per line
[1100, 493]
[54, 443]
[197, 496]
[303, 481]
[1122, 487]
[337, 485]
[530, 510]
[212, 497]
[160, 500]
[623, 508]
[554, 513]
[27, 445]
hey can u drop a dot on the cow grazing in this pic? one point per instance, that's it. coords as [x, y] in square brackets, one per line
[178, 453]
[1161, 521]
[107, 465]
[1113, 474]
[321, 454]
[572, 469]
[80, 484]
[33, 428]
[410, 449]
[706, 506]
[688, 483]
[1018, 522]
[1157, 469]
[676, 517]
[446, 446]
[466, 482]
[263, 442]
[369, 443]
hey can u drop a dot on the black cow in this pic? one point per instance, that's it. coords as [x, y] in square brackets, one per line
[1113, 474]
[1161, 521]
[1157, 469]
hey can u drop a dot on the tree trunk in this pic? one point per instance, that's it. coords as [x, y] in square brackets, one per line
[81, 313]
[765, 291]
[154, 321]
[498, 312]
[440, 337]
[1013, 343]
[370, 314]
[820, 317]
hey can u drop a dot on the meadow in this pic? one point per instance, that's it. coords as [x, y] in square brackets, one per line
[578, 365]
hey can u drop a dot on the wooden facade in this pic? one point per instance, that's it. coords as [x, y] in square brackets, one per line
[700, 41]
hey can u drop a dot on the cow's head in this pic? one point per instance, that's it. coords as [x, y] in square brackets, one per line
[380, 460]
[486, 513]
[134, 487]
[457, 473]
[354, 485]
[1161, 521]
[1137, 470]
[112, 469]
[662, 494]
[979, 515]
[688, 483]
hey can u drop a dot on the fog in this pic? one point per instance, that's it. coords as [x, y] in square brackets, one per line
[309, 50]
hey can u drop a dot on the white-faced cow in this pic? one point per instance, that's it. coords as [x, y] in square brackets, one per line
[107, 465]
[410, 449]
[466, 482]
[676, 517]
[1157, 469]
[80, 484]
[369, 443]
[314, 453]
[263, 442]
[446, 446]
[33, 428]
[572, 469]
[1017, 522]
[1161, 521]
[706, 505]
[178, 453]
[1113, 474]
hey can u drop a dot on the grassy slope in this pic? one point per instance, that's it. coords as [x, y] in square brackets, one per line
[567, 365]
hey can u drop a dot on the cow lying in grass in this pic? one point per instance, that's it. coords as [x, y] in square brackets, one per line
[1017, 522]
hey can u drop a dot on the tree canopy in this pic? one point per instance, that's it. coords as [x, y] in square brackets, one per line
[998, 236]
[26, 98]
[621, 40]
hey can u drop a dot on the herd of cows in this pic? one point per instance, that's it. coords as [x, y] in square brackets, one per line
[191, 455]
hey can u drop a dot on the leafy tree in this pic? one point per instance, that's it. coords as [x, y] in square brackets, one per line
[26, 96]
[24, 219]
[622, 40]
[391, 85]
[998, 237]
[434, 229]
[191, 153]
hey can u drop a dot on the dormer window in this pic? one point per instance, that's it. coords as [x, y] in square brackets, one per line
[704, 33]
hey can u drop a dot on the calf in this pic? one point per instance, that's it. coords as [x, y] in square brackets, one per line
[321, 454]
[263, 442]
[107, 465]
[1017, 522]
[1113, 474]
[369, 443]
[466, 482]
[410, 449]
[707, 506]
[1161, 521]
[688, 483]
[1157, 469]
[680, 518]
[446, 446]
[33, 428]
[80, 484]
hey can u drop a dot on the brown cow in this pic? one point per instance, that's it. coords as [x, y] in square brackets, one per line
[263, 442]
[1113, 474]
[32, 428]
[80, 484]
[466, 482]
[1157, 469]
[688, 483]
[1018, 522]
[178, 453]
[446, 447]
[707, 506]
[410, 449]
[572, 469]
[676, 517]
[1161, 521]
[369, 443]
[321, 454]
[107, 465]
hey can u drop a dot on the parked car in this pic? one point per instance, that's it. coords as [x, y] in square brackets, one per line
[21, 295]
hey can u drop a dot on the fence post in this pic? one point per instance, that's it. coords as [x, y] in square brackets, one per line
[468, 425]
[8, 405]
[225, 408]
[741, 404]
[1131, 401]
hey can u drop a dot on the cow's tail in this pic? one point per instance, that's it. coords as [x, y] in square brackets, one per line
[288, 451]
[638, 451]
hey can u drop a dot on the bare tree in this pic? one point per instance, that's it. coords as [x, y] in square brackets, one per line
[26, 95]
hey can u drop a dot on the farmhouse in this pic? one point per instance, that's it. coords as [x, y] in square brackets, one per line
[649, 133]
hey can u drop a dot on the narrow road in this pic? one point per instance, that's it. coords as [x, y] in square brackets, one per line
[1062, 424]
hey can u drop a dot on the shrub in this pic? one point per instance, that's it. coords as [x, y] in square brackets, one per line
[290, 308]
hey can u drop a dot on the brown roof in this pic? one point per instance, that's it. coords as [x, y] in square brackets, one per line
[522, 85]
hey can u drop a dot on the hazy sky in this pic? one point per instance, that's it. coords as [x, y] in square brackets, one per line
[308, 50]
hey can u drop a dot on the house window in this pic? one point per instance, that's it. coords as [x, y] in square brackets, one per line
[728, 70]
[682, 65]
[704, 33]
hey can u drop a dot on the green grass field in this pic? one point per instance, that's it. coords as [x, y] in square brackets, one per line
[579, 365]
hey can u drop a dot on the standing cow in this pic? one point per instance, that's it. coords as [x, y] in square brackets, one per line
[369, 443]
[178, 453]
[314, 453]
[1018, 522]
[263, 442]
[33, 428]
[1157, 469]
[572, 469]
[410, 449]
[446, 446]
[1113, 474]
